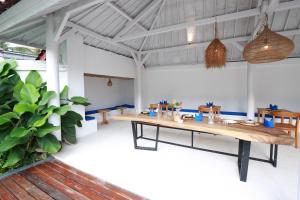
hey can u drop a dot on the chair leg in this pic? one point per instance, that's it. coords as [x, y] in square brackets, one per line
[296, 139]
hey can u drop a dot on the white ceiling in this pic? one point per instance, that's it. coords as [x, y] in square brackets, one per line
[110, 18]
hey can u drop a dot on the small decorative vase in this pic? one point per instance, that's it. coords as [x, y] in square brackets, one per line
[177, 115]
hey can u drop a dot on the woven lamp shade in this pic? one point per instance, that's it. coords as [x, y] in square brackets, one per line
[215, 54]
[267, 47]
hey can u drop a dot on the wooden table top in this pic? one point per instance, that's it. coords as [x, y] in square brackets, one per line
[259, 133]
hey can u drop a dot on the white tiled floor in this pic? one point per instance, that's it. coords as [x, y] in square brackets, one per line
[180, 173]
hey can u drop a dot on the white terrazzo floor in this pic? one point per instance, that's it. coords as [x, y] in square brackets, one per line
[174, 172]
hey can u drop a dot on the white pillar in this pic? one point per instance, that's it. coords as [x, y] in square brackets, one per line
[75, 69]
[138, 84]
[250, 93]
[52, 68]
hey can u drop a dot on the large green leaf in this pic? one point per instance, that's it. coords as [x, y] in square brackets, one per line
[46, 129]
[15, 155]
[9, 142]
[29, 93]
[6, 66]
[21, 108]
[69, 134]
[2, 64]
[19, 132]
[4, 118]
[48, 109]
[34, 78]
[47, 96]
[62, 110]
[40, 122]
[17, 90]
[71, 118]
[80, 101]
[64, 93]
[49, 144]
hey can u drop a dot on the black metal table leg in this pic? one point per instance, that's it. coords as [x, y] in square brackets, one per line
[134, 132]
[192, 139]
[135, 138]
[157, 136]
[243, 159]
[142, 130]
[271, 152]
[275, 156]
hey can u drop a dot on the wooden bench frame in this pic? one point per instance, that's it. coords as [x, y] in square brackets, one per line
[104, 112]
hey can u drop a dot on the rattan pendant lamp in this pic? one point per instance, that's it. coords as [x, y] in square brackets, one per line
[215, 54]
[268, 47]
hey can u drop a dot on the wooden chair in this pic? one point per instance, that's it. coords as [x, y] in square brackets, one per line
[216, 109]
[287, 126]
[161, 107]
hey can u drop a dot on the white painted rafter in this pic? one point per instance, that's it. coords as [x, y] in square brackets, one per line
[37, 38]
[238, 46]
[22, 11]
[194, 45]
[142, 14]
[98, 36]
[24, 25]
[225, 41]
[73, 8]
[200, 22]
[121, 12]
[31, 30]
[210, 20]
[153, 24]
[288, 5]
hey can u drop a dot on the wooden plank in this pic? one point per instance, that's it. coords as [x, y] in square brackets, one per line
[5, 194]
[93, 182]
[56, 184]
[51, 191]
[15, 189]
[262, 135]
[83, 189]
[106, 76]
[30, 188]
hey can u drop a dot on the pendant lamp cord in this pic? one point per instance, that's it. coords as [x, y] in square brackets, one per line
[216, 30]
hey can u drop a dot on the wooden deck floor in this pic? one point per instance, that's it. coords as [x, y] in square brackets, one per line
[56, 180]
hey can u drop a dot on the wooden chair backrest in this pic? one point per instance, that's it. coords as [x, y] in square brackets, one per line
[153, 106]
[216, 109]
[284, 114]
[160, 106]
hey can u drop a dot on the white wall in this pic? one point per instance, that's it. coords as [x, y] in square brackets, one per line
[75, 69]
[278, 83]
[102, 62]
[275, 83]
[25, 66]
[102, 96]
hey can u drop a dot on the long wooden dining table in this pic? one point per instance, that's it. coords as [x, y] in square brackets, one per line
[245, 135]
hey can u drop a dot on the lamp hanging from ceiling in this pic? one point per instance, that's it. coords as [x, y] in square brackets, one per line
[215, 54]
[268, 47]
[109, 83]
